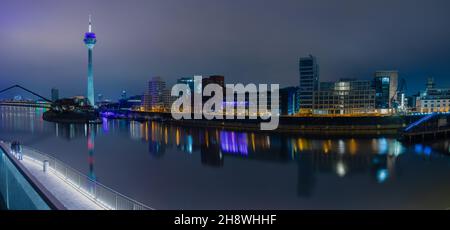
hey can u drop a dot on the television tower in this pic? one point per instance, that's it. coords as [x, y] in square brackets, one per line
[89, 40]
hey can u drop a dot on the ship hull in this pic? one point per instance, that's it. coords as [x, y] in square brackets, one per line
[71, 117]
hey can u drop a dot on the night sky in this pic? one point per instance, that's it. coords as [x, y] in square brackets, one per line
[245, 40]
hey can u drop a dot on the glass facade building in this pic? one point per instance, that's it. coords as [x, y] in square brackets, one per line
[288, 100]
[386, 85]
[344, 97]
[309, 83]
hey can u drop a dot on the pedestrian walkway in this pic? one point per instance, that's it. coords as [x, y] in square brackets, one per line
[64, 192]
[70, 197]
[73, 189]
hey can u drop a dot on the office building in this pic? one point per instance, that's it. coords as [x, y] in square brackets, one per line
[131, 103]
[188, 81]
[412, 102]
[433, 99]
[288, 100]
[344, 97]
[154, 96]
[168, 99]
[214, 79]
[309, 83]
[195, 87]
[55, 94]
[386, 87]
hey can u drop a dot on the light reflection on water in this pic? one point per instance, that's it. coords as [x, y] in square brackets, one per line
[171, 167]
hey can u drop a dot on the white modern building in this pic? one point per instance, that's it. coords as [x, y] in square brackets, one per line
[433, 99]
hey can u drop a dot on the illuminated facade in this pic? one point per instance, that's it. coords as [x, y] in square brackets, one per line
[433, 99]
[156, 95]
[90, 40]
[130, 103]
[249, 108]
[188, 81]
[386, 86]
[288, 100]
[309, 83]
[344, 97]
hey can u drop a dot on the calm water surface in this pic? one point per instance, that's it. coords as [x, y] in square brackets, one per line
[170, 167]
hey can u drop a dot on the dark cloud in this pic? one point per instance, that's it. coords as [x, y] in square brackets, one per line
[245, 40]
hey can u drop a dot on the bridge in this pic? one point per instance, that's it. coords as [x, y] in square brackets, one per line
[43, 103]
[430, 125]
[419, 122]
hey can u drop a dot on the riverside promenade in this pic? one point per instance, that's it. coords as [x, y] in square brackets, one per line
[62, 190]
[67, 194]
[72, 189]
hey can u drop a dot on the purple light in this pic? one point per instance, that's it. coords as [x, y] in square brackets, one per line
[233, 143]
[235, 103]
[112, 115]
[90, 35]
[107, 114]
[105, 124]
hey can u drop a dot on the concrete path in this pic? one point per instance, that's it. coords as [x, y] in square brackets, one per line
[67, 194]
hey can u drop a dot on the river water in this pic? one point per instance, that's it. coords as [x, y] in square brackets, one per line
[170, 167]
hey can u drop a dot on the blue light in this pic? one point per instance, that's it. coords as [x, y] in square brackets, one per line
[382, 175]
[190, 142]
[90, 36]
[418, 148]
[427, 151]
[233, 143]
[235, 103]
[376, 160]
[109, 114]
[420, 121]
[105, 125]
[382, 146]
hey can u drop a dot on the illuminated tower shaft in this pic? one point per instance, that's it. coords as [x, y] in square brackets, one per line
[90, 40]
[90, 80]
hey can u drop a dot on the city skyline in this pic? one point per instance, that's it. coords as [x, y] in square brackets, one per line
[137, 45]
[206, 112]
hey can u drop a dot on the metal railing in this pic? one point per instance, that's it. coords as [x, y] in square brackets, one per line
[97, 192]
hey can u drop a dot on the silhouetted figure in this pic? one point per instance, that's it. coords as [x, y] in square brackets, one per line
[16, 150]
[19, 151]
[13, 148]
